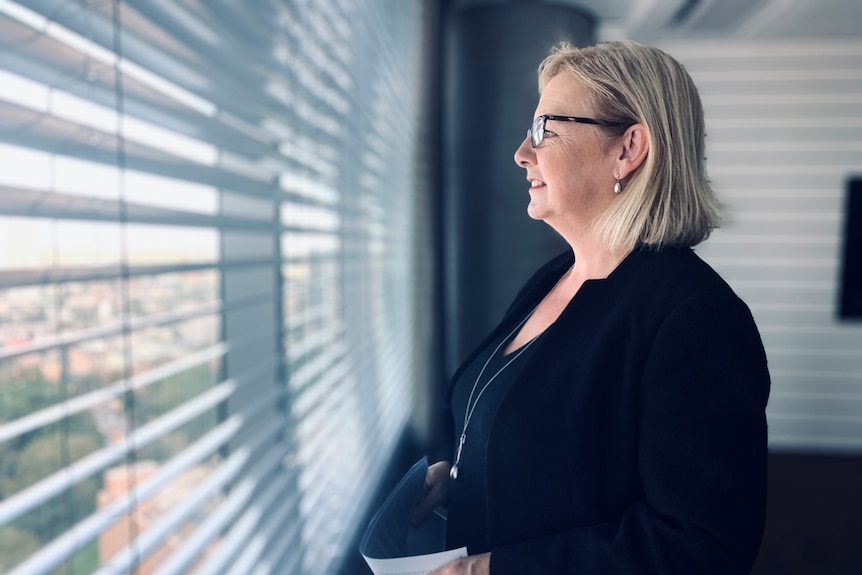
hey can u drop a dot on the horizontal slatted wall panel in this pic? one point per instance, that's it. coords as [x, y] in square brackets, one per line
[206, 323]
[784, 135]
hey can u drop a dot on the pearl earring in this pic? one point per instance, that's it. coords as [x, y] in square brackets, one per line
[618, 187]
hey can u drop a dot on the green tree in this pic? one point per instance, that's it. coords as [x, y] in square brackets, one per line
[40, 457]
[25, 391]
[160, 398]
[15, 546]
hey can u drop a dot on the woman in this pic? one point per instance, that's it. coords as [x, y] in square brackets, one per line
[613, 423]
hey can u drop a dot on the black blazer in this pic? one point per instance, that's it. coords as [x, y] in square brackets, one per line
[633, 441]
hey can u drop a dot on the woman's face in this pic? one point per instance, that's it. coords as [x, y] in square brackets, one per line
[571, 174]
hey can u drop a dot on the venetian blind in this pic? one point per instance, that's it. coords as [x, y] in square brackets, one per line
[207, 219]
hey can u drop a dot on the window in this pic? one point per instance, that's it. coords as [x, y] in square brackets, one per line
[208, 226]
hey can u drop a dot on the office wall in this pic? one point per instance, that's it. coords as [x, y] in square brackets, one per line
[784, 135]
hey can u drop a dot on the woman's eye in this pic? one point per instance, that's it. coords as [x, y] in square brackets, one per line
[549, 133]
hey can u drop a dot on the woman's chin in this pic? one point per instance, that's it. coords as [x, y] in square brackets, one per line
[536, 211]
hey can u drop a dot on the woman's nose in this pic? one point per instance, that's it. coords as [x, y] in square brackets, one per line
[524, 155]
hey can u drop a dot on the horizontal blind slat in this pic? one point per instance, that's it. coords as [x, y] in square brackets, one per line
[88, 400]
[70, 475]
[62, 548]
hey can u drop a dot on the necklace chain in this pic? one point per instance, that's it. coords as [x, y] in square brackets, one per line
[471, 403]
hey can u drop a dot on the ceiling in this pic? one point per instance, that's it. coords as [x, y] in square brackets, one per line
[654, 20]
[648, 20]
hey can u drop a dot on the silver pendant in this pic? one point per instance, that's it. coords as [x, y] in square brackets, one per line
[453, 473]
[471, 404]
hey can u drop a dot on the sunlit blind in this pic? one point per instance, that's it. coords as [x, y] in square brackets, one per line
[207, 323]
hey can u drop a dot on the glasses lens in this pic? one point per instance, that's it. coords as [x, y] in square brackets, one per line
[538, 131]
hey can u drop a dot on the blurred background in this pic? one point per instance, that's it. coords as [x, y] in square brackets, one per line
[243, 245]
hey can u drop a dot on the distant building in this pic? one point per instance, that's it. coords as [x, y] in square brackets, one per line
[117, 483]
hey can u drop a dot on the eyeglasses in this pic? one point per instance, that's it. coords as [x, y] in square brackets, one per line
[537, 132]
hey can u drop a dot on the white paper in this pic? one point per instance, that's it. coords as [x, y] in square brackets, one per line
[415, 565]
[392, 546]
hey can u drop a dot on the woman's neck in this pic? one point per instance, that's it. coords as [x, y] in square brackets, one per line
[593, 261]
[592, 265]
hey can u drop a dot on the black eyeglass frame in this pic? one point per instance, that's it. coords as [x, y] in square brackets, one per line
[536, 133]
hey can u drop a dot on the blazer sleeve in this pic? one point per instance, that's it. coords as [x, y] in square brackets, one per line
[701, 459]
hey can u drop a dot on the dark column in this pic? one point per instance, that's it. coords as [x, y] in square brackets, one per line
[491, 245]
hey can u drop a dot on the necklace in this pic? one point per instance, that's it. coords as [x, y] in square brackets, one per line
[471, 403]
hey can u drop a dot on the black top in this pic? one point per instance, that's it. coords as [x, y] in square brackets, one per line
[467, 497]
[632, 441]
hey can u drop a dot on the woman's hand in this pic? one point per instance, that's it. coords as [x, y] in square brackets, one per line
[435, 493]
[472, 565]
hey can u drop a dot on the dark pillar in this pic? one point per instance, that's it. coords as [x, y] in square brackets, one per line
[491, 245]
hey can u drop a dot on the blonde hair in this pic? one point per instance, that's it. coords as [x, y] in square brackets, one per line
[668, 199]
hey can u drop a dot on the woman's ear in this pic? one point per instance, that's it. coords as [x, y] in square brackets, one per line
[633, 151]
